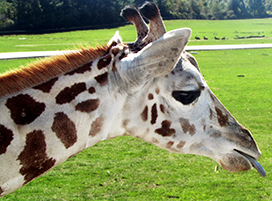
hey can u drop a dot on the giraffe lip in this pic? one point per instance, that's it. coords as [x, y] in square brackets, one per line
[253, 162]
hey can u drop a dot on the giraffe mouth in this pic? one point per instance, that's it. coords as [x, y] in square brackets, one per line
[253, 162]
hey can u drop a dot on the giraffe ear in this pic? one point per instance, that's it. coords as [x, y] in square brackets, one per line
[156, 59]
[115, 39]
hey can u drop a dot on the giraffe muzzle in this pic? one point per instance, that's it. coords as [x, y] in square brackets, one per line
[253, 162]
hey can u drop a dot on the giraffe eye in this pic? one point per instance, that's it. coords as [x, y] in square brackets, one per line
[186, 97]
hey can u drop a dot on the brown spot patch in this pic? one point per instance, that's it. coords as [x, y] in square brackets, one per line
[47, 86]
[169, 144]
[211, 114]
[162, 108]
[165, 130]
[96, 126]
[154, 114]
[144, 114]
[6, 136]
[102, 79]
[180, 144]
[88, 105]
[102, 63]
[65, 129]
[24, 109]
[150, 96]
[157, 90]
[33, 158]
[81, 70]
[222, 119]
[91, 90]
[186, 127]
[115, 50]
[69, 93]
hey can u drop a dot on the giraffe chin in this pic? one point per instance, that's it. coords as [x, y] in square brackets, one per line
[254, 163]
[240, 161]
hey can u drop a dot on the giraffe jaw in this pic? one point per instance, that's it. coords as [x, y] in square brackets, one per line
[253, 162]
[236, 161]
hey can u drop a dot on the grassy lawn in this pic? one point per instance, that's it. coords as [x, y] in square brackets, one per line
[209, 29]
[130, 169]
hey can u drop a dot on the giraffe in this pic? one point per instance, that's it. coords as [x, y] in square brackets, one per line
[150, 89]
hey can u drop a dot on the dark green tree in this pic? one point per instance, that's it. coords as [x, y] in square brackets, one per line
[196, 8]
[6, 14]
[257, 8]
[239, 9]
[52, 14]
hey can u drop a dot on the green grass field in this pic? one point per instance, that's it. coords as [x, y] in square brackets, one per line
[130, 169]
[210, 29]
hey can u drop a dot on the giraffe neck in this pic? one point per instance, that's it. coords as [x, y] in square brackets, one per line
[52, 121]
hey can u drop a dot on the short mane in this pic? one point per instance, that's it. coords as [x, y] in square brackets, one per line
[42, 70]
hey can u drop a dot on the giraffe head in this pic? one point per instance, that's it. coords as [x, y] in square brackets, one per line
[170, 105]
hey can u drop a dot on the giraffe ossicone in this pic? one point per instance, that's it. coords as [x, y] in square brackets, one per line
[151, 89]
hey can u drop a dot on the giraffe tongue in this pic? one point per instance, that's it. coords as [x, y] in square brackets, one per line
[256, 165]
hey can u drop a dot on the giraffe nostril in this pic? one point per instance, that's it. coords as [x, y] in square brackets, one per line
[246, 134]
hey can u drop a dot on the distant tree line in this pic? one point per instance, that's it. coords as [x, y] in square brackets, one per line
[59, 14]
